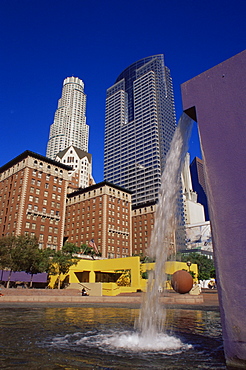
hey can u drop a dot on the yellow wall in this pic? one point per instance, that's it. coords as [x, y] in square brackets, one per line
[171, 267]
[90, 267]
[85, 272]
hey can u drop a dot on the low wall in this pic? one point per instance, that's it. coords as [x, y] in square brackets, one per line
[174, 299]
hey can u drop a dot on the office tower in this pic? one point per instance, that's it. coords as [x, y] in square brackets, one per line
[139, 126]
[33, 198]
[198, 183]
[69, 126]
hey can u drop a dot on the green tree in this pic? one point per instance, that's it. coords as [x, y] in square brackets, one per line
[21, 253]
[87, 250]
[144, 258]
[62, 260]
[29, 255]
[6, 245]
[8, 255]
[205, 265]
[71, 249]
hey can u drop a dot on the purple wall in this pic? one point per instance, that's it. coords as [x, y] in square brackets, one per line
[216, 99]
[23, 276]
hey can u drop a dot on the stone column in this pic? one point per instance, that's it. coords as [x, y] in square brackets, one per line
[216, 99]
[92, 277]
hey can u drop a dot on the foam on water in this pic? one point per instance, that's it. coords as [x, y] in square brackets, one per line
[122, 340]
[137, 342]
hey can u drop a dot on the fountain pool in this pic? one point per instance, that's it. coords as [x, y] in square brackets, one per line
[104, 338]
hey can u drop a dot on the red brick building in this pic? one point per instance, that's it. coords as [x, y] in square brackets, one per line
[142, 224]
[33, 191]
[143, 219]
[101, 212]
[34, 199]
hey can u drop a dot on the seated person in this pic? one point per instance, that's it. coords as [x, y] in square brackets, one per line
[84, 292]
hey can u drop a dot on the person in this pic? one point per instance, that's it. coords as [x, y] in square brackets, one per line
[211, 284]
[84, 292]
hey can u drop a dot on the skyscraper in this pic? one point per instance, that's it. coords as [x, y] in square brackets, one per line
[69, 126]
[139, 126]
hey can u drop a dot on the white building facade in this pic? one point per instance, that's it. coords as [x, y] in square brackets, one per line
[198, 231]
[81, 162]
[69, 126]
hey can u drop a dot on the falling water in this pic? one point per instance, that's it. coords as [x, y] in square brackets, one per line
[152, 314]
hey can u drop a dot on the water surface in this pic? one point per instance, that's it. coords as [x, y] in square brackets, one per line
[104, 338]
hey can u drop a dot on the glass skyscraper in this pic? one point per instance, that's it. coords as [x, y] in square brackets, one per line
[69, 126]
[139, 126]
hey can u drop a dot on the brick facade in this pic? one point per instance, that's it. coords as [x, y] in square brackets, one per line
[101, 212]
[34, 200]
[33, 193]
[142, 225]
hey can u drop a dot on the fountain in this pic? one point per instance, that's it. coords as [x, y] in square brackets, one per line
[152, 314]
[102, 337]
[216, 100]
[99, 337]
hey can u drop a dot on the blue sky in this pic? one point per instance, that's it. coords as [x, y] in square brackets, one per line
[44, 41]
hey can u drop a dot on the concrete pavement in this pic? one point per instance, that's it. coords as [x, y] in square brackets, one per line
[208, 298]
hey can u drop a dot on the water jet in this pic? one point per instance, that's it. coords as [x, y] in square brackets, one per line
[152, 314]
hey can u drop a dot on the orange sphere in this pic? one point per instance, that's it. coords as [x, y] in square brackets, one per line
[182, 281]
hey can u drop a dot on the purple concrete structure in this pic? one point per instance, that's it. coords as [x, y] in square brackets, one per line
[216, 99]
[23, 276]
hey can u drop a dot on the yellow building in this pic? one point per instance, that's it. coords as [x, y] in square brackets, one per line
[111, 277]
